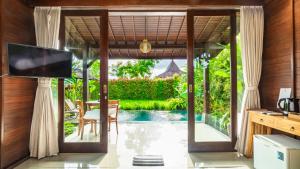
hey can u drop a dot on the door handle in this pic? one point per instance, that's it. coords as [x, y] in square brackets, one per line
[105, 89]
[190, 88]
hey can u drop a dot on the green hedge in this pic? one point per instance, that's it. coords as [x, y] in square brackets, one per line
[142, 89]
[170, 104]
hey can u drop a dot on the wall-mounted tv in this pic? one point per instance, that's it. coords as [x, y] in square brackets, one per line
[32, 61]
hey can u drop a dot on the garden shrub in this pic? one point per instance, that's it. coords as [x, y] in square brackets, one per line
[69, 128]
[142, 89]
[145, 105]
[177, 104]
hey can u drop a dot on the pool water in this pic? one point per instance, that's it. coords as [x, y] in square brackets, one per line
[154, 115]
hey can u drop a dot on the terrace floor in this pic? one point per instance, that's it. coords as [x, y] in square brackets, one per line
[168, 140]
[203, 132]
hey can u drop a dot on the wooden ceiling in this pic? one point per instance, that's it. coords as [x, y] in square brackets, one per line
[167, 34]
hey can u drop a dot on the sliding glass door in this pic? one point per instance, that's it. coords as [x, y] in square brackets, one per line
[212, 80]
[83, 98]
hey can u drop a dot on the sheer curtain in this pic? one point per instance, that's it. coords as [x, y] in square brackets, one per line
[43, 135]
[252, 28]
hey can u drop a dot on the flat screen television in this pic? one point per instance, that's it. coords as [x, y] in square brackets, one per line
[32, 61]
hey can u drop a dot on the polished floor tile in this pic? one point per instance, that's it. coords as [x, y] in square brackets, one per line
[166, 139]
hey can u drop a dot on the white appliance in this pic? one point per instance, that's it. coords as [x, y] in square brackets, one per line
[276, 152]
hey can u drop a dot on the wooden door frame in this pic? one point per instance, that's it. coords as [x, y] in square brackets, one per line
[211, 146]
[86, 147]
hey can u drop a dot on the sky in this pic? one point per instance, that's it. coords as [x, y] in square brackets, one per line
[159, 68]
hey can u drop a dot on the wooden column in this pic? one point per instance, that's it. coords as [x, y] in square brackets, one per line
[190, 63]
[104, 78]
[233, 71]
[85, 78]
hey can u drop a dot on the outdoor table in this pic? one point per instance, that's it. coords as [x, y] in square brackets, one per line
[92, 104]
[96, 112]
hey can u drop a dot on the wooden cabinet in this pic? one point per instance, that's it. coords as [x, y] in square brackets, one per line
[263, 120]
[263, 124]
[286, 125]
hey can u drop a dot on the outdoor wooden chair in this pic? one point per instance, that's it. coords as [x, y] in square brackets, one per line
[113, 111]
[83, 121]
[71, 109]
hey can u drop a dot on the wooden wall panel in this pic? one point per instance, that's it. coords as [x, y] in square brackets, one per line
[277, 52]
[17, 94]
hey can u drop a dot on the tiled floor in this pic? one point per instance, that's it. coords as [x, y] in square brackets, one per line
[168, 140]
[206, 133]
[88, 135]
[203, 132]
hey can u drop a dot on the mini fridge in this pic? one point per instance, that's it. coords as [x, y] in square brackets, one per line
[276, 152]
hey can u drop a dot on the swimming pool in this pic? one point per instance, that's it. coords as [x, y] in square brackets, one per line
[154, 115]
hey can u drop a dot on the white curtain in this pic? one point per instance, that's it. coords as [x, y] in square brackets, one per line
[252, 28]
[43, 135]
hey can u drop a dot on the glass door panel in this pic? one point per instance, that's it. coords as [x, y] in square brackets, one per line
[82, 92]
[212, 81]
[83, 96]
[212, 78]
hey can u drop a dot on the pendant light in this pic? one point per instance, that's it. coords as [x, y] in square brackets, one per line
[145, 46]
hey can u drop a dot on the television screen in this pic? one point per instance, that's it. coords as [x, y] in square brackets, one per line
[32, 61]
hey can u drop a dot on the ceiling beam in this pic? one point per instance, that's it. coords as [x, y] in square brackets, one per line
[157, 46]
[181, 25]
[134, 32]
[216, 28]
[124, 34]
[147, 57]
[167, 46]
[206, 25]
[88, 29]
[123, 29]
[170, 24]
[158, 20]
[69, 34]
[76, 29]
[147, 4]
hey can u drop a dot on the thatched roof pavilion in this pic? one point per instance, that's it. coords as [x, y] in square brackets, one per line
[171, 70]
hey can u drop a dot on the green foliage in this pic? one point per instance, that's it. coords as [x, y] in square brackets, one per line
[170, 104]
[73, 88]
[219, 87]
[142, 89]
[69, 128]
[136, 69]
[240, 77]
[177, 104]
[130, 89]
[94, 90]
[145, 105]
[220, 83]
[182, 88]
[94, 70]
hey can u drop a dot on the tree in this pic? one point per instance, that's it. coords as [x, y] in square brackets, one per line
[135, 69]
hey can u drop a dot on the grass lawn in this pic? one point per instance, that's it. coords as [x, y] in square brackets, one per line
[145, 104]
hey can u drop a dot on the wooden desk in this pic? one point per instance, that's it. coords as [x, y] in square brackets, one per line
[263, 124]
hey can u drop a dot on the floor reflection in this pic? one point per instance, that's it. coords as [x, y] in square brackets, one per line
[166, 139]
